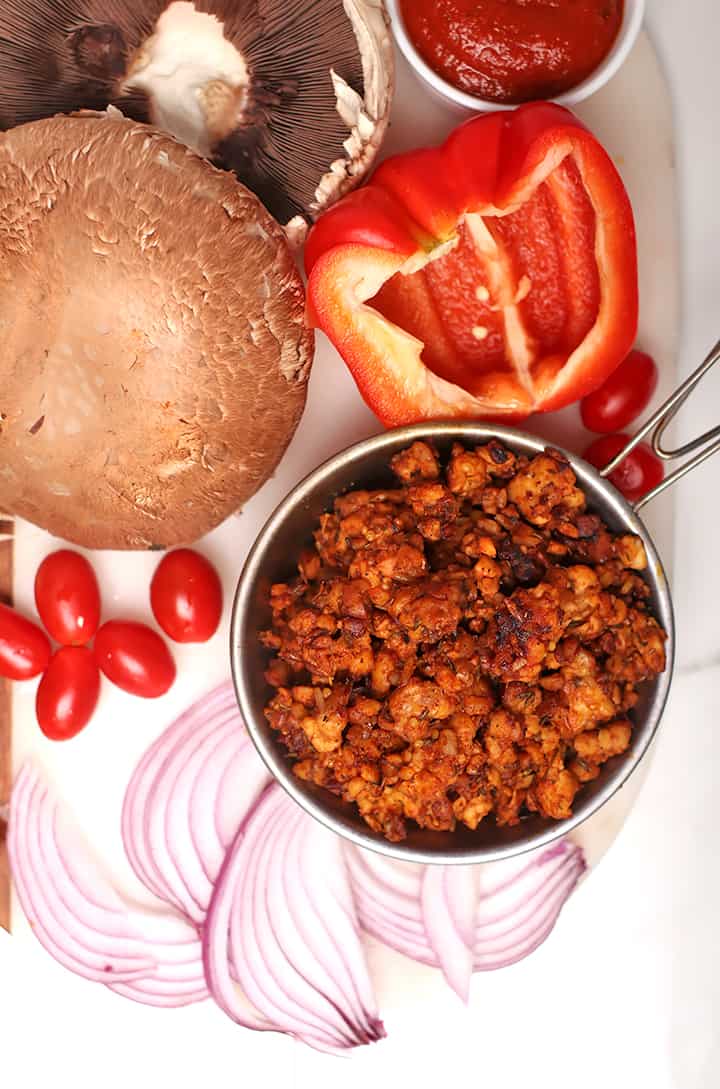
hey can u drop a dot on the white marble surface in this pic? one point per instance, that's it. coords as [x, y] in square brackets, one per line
[625, 993]
[672, 832]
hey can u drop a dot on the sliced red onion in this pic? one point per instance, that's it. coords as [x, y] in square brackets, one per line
[387, 894]
[178, 978]
[134, 803]
[193, 885]
[85, 926]
[217, 703]
[144, 813]
[448, 900]
[315, 861]
[187, 798]
[81, 920]
[461, 895]
[216, 951]
[403, 878]
[156, 992]
[208, 784]
[408, 944]
[174, 860]
[137, 797]
[464, 918]
[286, 898]
[243, 780]
[273, 985]
[279, 898]
[270, 982]
[517, 910]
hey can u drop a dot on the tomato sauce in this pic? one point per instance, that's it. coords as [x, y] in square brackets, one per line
[513, 50]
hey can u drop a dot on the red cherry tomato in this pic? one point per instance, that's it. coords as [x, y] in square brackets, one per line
[135, 658]
[68, 693]
[640, 471]
[24, 647]
[623, 396]
[68, 598]
[186, 596]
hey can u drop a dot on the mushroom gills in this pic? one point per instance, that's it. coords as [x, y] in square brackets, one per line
[292, 95]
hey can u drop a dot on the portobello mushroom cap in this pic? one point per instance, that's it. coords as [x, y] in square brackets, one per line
[293, 95]
[153, 350]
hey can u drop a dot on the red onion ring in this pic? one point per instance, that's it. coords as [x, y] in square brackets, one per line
[546, 918]
[424, 913]
[210, 849]
[168, 861]
[303, 990]
[384, 930]
[216, 952]
[328, 930]
[446, 922]
[194, 887]
[186, 799]
[281, 900]
[518, 900]
[95, 938]
[243, 780]
[387, 895]
[217, 706]
[257, 957]
[178, 978]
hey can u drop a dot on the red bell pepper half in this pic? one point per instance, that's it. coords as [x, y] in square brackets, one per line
[494, 276]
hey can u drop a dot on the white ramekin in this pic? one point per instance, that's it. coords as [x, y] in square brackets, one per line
[627, 35]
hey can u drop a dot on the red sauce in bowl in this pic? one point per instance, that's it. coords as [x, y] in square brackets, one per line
[513, 50]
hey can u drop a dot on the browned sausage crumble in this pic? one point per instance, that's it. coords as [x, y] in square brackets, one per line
[466, 644]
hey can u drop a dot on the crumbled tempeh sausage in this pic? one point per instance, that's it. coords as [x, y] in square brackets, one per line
[464, 646]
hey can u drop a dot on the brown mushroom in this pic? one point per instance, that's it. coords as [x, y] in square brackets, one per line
[153, 351]
[293, 95]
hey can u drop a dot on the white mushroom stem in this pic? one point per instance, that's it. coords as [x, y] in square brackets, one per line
[195, 78]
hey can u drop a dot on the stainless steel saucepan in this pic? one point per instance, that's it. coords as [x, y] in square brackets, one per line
[273, 559]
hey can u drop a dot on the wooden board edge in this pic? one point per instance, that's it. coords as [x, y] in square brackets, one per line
[6, 589]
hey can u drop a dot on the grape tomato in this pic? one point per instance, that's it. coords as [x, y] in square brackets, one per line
[68, 693]
[67, 597]
[634, 477]
[186, 596]
[24, 646]
[623, 396]
[135, 658]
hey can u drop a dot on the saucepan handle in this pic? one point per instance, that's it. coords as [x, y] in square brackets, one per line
[701, 448]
